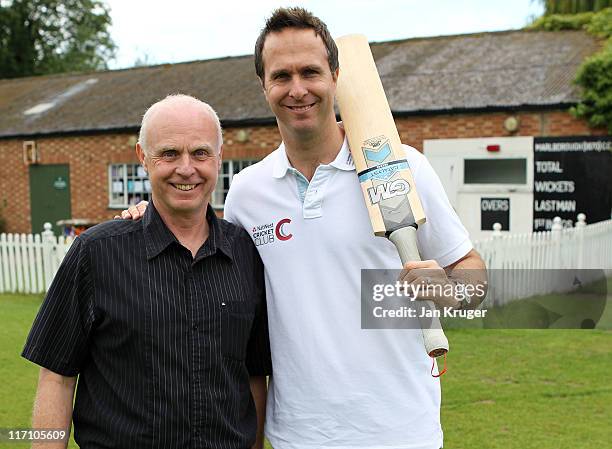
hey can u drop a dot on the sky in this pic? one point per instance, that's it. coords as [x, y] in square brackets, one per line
[157, 32]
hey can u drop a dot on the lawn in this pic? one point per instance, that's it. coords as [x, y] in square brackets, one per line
[504, 389]
[585, 307]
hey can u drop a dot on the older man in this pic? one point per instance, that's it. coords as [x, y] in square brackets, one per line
[163, 320]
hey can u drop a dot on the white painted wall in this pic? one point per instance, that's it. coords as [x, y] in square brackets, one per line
[448, 157]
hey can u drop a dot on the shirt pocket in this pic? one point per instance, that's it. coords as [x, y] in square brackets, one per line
[237, 322]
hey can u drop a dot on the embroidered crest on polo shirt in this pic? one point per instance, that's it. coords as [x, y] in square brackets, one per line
[272, 232]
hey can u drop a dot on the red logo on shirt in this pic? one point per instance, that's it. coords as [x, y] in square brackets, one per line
[280, 232]
[271, 232]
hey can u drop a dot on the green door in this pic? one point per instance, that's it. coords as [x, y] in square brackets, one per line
[49, 195]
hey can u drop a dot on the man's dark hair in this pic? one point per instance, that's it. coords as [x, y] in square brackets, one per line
[299, 18]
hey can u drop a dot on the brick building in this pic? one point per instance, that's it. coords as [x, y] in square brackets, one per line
[66, 141]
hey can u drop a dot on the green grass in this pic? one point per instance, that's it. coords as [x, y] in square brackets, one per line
[506, 389]
[528, 389]
[587, 306]
[19, 376]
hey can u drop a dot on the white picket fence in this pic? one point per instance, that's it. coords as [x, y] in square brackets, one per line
[28, 262]
[521, 265]
[517, 262]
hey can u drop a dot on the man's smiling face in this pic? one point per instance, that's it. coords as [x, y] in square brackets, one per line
[182, 157]
[298, 83]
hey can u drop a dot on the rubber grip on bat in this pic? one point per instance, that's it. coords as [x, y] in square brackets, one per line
[436, 343]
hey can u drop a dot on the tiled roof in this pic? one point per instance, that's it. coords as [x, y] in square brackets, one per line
[510, 69]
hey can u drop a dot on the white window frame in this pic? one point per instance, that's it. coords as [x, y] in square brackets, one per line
[233, 167]
[116, 205]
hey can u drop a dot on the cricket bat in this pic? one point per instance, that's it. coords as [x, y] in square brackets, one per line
[389, 191]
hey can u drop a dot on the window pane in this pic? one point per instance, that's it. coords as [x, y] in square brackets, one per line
[228, 170]
[130, 177]
[218, 198]
[117, 171]
[239, 165]
[495, 171]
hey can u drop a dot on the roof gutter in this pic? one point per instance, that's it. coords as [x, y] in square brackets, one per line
[268, 121]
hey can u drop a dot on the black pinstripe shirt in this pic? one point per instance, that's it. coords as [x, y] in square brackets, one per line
[163, 343]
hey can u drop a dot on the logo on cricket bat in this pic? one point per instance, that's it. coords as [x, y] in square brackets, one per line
[387, 190]
[376, 150]
[382, 166]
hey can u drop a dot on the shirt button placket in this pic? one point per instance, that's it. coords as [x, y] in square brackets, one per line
[312, 200]
[187, 282]
[195, 362]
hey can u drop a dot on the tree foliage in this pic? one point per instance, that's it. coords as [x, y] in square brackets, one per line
[594, 75]
[573, 6]
[52, 36]
[601, 24]
[557, 22]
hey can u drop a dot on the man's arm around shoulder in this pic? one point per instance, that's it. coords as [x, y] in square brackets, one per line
[53, 406]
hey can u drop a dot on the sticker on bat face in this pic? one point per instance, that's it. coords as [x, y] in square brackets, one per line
[383, 171]
[376, 150]
[387, 190]
[378, 157]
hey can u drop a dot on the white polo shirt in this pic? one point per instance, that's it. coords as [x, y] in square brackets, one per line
[336, 385]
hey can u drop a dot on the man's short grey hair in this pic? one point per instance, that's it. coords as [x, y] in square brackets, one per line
[142, 136]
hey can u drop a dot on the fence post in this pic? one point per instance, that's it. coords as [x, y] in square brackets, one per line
[19, 265]
[48, 233]
[497, 230]
[556, 230]
[48, 246]
[2, 262]
[496, 276]
[497, 244]
[580, 226]
[31, 264]
[11, 263]
[38, 260]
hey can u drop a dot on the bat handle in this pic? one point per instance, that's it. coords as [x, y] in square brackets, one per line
[436, 343]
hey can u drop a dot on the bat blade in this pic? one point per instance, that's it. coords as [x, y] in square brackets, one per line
[388, 187]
